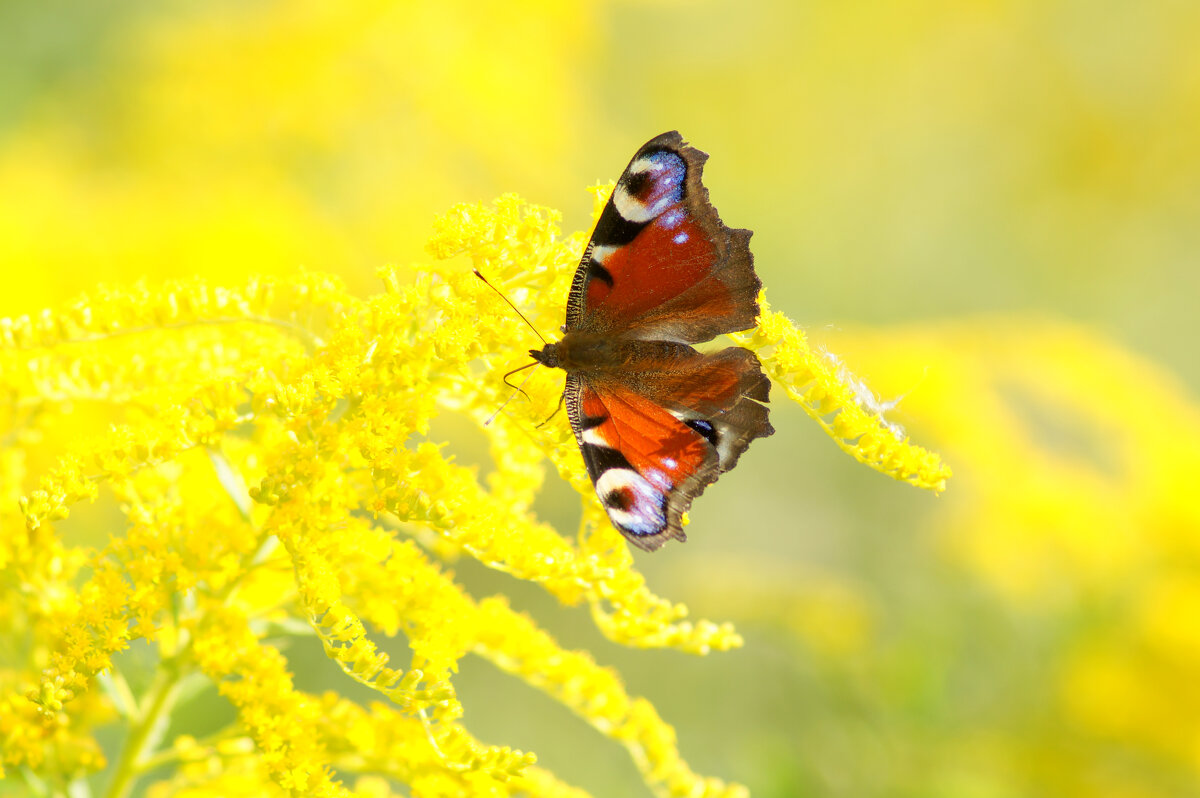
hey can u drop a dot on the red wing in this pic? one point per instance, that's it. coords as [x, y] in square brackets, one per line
[661, 265]
[640, 458]
[653, 443]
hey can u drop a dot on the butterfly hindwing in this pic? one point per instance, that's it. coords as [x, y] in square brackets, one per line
[638, 455]
[651, 445]
[720, 395]
[661, 265]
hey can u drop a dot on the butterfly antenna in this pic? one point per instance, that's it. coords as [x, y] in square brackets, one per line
[511, 305]
[514, 371]
[516, 390]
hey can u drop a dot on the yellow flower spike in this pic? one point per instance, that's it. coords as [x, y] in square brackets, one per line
[122, 452]
[434, 470]
[280, 719]
[518, 482]
[839, 402]
[344, 635]
[396, 745]
[515, 645]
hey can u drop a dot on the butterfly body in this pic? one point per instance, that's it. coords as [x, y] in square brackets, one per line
[656, 420]
[593, 356]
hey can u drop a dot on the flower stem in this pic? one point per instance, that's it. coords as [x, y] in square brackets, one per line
[146, 731]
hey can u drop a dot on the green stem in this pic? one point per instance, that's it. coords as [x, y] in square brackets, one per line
[147, 731]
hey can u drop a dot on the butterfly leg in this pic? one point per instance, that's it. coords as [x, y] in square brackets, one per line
[552, 415]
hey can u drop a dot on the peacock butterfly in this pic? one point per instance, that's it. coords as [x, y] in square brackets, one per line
[657, 421]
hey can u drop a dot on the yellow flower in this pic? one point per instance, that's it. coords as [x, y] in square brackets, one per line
[270, 459]
[841, 403]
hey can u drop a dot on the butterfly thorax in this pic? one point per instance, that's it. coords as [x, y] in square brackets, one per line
[589, 353]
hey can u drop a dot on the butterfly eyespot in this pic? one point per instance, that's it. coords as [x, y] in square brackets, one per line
[633, 504]
[639, 183]
[706, 429]
[650, 185]
[619, 499]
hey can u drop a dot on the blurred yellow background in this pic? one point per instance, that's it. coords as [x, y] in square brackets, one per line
[989, 209]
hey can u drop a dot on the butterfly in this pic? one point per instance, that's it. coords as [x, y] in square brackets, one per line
[657, 421]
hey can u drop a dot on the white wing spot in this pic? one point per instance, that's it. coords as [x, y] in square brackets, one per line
[680, 238]
[600, 253]
[594, 437]
[630, 207]
[671, 218]
[658, 479]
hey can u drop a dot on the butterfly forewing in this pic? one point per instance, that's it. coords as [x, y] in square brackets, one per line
[661, 265]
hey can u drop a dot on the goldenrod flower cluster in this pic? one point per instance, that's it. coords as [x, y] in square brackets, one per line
[266, 469]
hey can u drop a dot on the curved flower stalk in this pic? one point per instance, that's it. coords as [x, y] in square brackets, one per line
[840, 402]
[268, 465]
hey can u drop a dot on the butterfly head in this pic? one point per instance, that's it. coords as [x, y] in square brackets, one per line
[547, 356]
